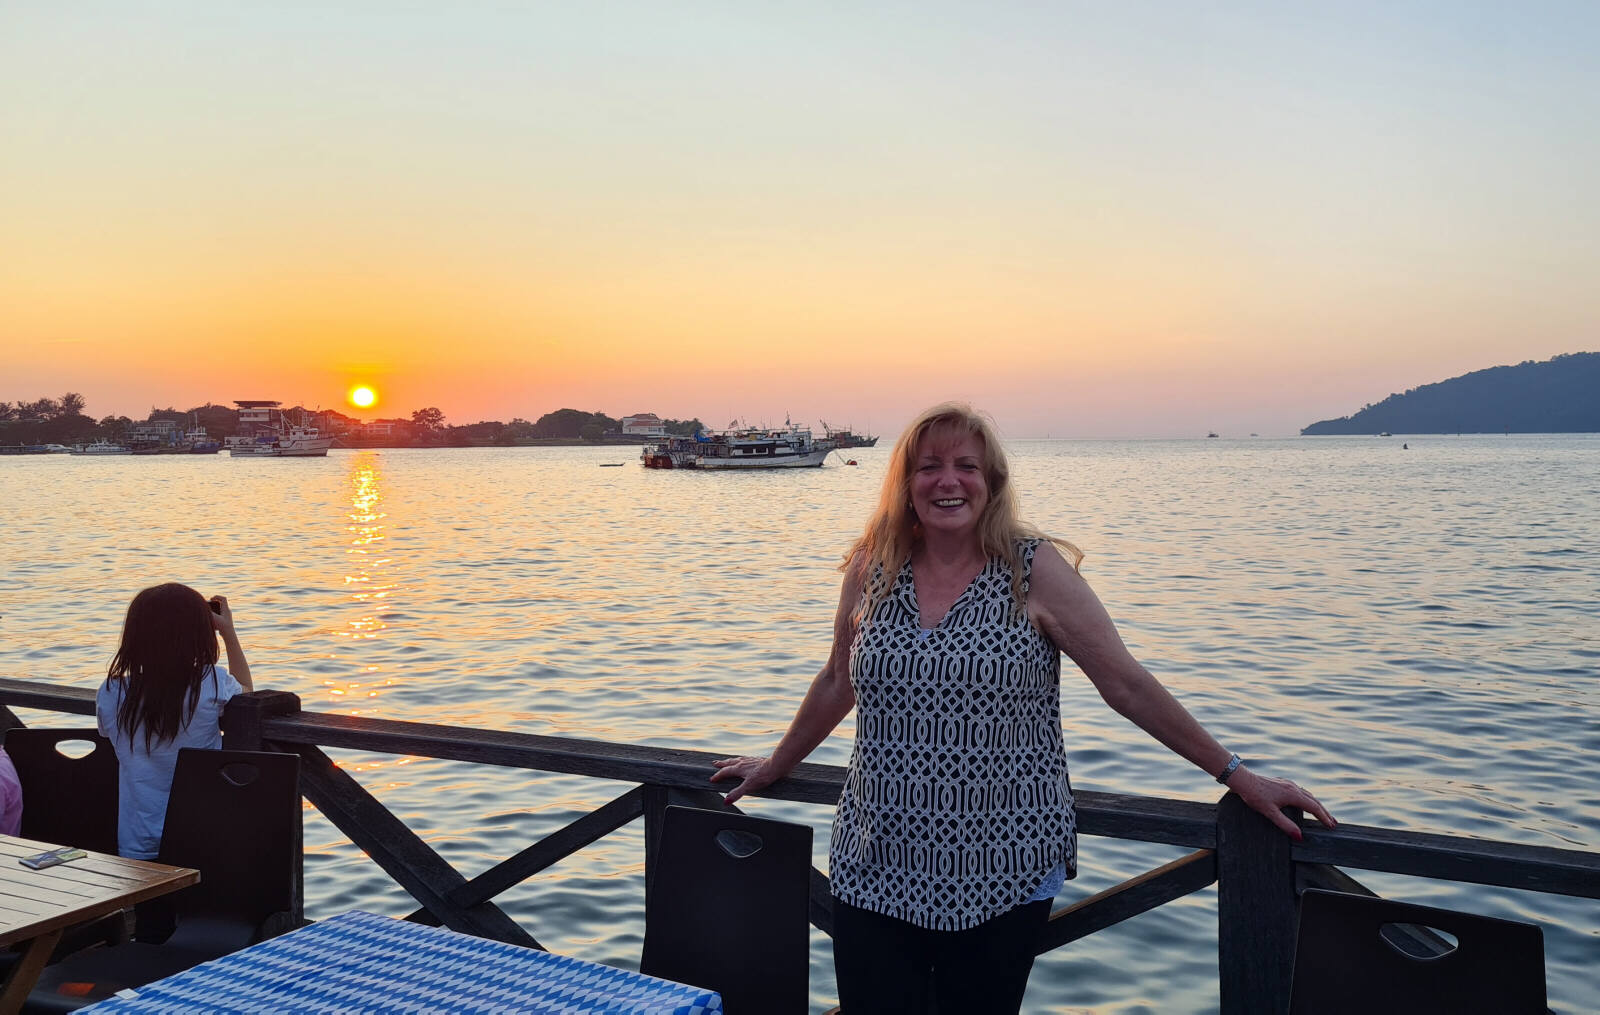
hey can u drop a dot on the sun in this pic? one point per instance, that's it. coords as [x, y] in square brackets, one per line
[363, 397]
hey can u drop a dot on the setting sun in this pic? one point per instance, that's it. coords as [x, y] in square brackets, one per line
[363, 397]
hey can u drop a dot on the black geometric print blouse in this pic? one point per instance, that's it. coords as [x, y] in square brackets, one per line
[956, 803]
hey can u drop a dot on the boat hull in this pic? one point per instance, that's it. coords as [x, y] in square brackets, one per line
[807, 460]
[310, 449]
[102, 448]
[297, 447]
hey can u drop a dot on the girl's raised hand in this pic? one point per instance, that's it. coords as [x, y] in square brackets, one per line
[221, 616]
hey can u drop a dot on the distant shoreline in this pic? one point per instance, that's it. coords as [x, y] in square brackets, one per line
[524, 442]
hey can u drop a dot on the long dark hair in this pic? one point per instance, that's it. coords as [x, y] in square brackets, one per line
[168, 646]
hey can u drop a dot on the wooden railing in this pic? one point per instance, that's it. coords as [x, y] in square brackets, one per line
[1257, 870]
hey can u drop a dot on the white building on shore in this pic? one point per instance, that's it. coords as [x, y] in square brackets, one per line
[644, 424]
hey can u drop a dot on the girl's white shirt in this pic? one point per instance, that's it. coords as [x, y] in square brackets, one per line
[144, 778]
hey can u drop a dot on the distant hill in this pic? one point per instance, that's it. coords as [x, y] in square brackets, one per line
[1560, 395]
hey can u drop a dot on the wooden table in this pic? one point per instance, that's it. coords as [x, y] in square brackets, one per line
[37, 905]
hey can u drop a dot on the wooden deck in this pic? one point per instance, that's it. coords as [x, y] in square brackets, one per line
[1258, 871]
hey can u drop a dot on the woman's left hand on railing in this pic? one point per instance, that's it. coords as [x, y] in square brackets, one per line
[1269, 796]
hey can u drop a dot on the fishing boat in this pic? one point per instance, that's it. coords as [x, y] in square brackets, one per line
[296, 442]
[262, 436]
[846, 438]
[787, 447]
[196, 441]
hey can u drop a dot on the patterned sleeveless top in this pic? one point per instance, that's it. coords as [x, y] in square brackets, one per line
[956, 802]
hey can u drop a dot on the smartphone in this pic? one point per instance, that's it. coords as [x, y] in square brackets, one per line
[51, 857]
[216, 607]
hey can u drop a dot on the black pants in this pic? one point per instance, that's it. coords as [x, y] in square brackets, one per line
[887, 966]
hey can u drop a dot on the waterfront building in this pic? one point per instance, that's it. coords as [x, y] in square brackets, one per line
[644, 424]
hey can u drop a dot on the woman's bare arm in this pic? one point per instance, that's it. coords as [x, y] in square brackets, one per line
[1066, 609]
[829, 699]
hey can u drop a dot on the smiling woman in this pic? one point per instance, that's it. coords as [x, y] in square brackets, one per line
[949, 599]
[363, 397]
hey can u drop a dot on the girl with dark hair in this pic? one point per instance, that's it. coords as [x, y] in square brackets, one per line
[165, 691]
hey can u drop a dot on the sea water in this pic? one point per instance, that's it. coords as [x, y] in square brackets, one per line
[1409, 631]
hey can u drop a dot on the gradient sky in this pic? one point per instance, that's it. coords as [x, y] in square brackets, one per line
[1130, 219]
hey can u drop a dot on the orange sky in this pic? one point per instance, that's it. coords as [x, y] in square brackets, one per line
[1093, 223]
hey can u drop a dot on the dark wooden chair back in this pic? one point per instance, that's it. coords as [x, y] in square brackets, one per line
[65, 800]
[235, 817]
[1355, 953]
[728, 909]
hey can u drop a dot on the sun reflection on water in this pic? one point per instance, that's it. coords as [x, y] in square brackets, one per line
[366, 577]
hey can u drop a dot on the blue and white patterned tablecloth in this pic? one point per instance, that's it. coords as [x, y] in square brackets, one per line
[360, 963]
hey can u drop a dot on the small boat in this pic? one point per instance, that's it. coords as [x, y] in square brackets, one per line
[846, 439]
[1213, 433]
[196, 441]
[103, 447]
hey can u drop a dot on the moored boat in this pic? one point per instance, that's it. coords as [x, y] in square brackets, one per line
[846, 438]
[102, 447]
[263, 437]
[196, 441]
[788, 447]
[296, 442]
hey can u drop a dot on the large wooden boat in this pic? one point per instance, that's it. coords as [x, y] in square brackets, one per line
[262, 436]
[786, 447]
[295, 442]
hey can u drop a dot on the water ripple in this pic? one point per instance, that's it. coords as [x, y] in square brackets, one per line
[1411, 637]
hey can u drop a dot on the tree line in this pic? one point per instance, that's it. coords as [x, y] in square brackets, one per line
[65, 420]
[562, 424]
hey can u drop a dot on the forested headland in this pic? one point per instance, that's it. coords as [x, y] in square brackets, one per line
[1559, 395]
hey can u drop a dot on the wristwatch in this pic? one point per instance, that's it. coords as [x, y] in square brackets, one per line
[1227, 773]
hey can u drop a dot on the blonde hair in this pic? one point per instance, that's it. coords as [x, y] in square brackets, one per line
[892, 532]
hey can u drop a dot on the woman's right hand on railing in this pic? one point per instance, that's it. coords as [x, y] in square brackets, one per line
[756, 773]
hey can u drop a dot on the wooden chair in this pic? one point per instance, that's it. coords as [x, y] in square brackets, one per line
[235, 817]
[728, 909]
[69, 801]
[66, 800]
[1355, 953]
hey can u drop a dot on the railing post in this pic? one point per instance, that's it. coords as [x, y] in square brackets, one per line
[244, 714]
[242, 720]
[1256, 911]
[656, 799]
